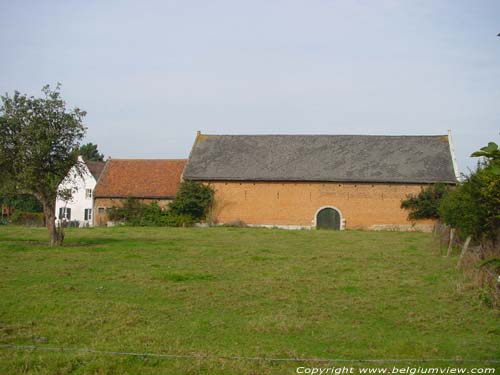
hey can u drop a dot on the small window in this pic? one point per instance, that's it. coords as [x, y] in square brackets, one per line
[87, 214]
[88, 193]
[64, 213]
[101, 210]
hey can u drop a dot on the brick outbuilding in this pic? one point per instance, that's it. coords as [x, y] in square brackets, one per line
[309, 181]
[145, 179]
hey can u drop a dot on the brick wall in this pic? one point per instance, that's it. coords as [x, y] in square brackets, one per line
[102, 204]
[362, 206]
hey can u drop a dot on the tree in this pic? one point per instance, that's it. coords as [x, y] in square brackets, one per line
[39, 144]
[492, 154]
[193, 200]
[22, 202]
[90, 152]
[425, 205]
[474, 207]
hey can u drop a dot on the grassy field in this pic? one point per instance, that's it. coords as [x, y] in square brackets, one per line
[232, 292]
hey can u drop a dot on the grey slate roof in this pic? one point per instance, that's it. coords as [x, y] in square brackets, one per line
[95, 168]
[342, 158]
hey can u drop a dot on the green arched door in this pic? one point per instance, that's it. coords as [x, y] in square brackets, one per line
[328, 218]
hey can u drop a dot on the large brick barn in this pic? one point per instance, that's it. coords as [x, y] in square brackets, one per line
[324, 181]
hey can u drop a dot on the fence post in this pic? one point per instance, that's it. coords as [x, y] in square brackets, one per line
[452, 233]
[464, 250]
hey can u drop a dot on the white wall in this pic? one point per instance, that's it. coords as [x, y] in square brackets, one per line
[79, 201]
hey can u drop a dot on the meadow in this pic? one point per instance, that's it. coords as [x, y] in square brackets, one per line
[234, 292]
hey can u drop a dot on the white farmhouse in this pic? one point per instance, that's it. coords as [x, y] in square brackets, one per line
[78, 209]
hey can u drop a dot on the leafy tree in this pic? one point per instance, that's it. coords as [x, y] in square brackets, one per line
[474, 207]
[90, 152]
[425, 205]
[22, 202]
[492, 154]
[39, 143]
[193, 200]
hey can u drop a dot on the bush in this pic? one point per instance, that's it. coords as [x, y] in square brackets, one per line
[36, 219]
[193, 200]
[426, 204]
[134, 212]
[474, 207]
[191, 205]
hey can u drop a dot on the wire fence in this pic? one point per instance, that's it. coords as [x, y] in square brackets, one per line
[243, 358]
[473, 255]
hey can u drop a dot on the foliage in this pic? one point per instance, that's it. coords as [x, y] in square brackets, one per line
[134, 212]
[474, 207]
[39, 143]
[131, 211]
[90, 152]
[461, 210]
[191, 205]
[490, 262]
[492, 154]
[193, 200]
[426, 204]
[35, 219]
[22, 202]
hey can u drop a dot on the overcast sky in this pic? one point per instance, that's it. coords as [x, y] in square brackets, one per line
[152, 73]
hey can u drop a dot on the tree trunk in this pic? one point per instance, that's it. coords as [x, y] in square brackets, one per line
[56, 234]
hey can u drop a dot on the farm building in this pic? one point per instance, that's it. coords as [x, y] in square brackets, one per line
[79, 208]
[319, 181]
[145, 179]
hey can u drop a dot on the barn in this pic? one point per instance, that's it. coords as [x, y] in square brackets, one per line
[319, 181]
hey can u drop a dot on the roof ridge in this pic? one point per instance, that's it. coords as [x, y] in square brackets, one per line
[129, 159]
[328, 135]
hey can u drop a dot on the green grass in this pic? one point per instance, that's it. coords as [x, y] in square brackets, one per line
[232, 292]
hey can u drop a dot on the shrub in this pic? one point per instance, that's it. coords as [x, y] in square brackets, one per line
[36, 219]
[426, 204]
[474, 207]
[192, 203]
[193, 200]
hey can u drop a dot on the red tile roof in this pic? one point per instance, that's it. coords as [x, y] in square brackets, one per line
[140, 178]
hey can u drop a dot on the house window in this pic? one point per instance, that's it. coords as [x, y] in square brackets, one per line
[101, 210]
[64, 213]
[87, 215]
[88, 193]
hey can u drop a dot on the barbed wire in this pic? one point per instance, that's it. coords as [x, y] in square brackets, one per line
[242, 358]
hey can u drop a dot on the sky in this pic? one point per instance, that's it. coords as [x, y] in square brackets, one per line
[152, 73]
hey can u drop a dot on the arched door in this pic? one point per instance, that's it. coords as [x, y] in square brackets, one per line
[328, 218]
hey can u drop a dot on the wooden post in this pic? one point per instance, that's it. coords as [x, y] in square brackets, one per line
[464, 250]
[452, 234]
